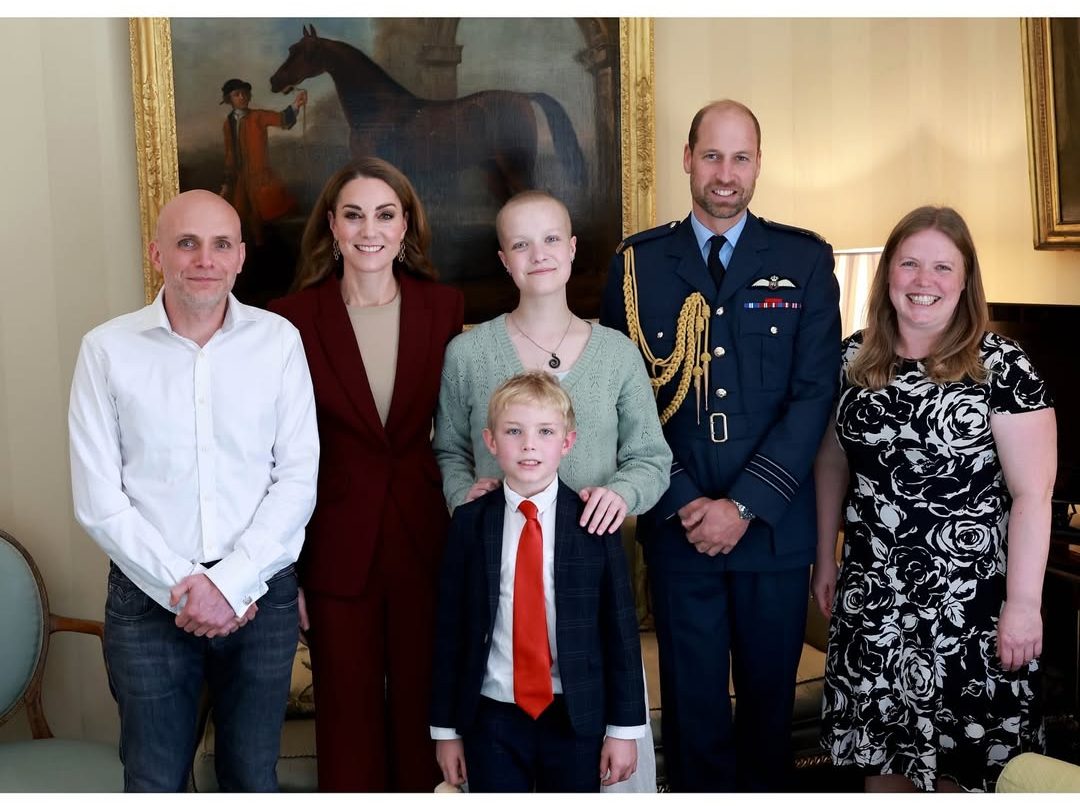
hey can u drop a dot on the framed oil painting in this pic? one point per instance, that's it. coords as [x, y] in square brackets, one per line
[1051, 49]
[560, 104]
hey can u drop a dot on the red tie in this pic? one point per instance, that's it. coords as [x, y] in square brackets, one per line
[532, 655]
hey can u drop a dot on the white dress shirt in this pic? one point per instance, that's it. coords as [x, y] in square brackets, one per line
[499, 677]
[182, 455]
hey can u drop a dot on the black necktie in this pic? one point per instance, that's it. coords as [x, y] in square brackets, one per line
[716, 267]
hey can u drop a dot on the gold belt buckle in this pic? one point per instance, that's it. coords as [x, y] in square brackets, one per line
[712, 427]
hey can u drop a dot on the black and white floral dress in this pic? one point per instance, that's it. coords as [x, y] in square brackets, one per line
[913, 685]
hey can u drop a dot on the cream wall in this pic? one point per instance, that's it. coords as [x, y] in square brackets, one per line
[70, 260]
[862, 121]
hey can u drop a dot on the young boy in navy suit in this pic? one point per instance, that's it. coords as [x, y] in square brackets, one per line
[538, 680]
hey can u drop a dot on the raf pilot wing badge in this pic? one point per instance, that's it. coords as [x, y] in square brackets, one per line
[775, 282]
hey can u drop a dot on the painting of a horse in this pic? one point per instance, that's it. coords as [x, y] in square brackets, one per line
[496, 131]
[471, 109]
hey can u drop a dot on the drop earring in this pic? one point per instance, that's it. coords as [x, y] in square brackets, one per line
[336, 251]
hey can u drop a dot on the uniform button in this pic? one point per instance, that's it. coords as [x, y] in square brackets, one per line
[719, 310]
[721, 392]
[719, 351]
[773, 330]
[659, 334]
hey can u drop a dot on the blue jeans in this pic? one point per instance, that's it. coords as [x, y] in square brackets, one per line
[157, 671]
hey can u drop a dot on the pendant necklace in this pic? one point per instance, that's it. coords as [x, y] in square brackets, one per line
[554, 362]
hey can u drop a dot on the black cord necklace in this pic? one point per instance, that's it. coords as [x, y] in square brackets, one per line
[554, 362]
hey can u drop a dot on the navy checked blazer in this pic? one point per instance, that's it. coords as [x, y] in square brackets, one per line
[774, 348]
[596, 634]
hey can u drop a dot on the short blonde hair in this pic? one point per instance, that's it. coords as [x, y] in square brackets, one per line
[533, 388]
[528, 196]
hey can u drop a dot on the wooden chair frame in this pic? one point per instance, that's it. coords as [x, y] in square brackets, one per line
[31, 698]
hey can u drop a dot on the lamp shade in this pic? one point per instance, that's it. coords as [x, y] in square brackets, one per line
[854, 271]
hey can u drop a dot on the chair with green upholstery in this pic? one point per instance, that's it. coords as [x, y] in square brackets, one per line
[45, 763]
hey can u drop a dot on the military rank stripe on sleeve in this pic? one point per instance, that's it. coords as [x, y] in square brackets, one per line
[773, 474]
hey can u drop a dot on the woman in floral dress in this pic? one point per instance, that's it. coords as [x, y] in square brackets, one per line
[942, 460]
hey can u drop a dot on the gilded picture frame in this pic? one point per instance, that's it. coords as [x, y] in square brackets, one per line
[1051, 56]
[159, 167]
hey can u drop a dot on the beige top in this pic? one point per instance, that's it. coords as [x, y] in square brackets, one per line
[376, 330]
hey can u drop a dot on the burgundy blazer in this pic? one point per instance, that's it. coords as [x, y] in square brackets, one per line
[366, 468]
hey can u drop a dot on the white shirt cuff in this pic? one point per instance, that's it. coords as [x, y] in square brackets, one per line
[627, 732]
[439, 733]
[233, 576]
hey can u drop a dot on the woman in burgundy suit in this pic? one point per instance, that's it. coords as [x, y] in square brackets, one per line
[374, 326]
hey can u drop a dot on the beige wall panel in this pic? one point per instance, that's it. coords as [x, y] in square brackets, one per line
[865, 119]
[71, 261]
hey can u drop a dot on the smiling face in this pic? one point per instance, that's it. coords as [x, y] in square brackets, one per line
[723, 166]
[926, 278]
[537, 248]
[369, 224]
[528, 441]
[197, 250]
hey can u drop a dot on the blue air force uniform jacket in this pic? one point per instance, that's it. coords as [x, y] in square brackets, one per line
[752, 430]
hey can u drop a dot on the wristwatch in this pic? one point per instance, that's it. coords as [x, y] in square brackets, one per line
[744, 513]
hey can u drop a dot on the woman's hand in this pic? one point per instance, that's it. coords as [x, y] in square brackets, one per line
[604, 510]
[823, 585]
[482, 487]
[1019, 634]
[301, 605]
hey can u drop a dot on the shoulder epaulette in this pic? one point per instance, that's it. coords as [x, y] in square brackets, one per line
[779, 226]
[645, 236]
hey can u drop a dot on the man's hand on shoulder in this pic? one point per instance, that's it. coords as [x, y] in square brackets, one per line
[618, 760]
[207, 612]
[712, 527]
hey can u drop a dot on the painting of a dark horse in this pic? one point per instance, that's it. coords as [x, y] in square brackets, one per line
[495, 130]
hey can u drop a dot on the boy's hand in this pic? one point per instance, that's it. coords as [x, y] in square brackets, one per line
[618, 760]
[482, 487]
[450, 754]
[604, 510]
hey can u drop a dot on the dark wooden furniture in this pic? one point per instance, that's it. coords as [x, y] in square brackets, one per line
[1049, 335]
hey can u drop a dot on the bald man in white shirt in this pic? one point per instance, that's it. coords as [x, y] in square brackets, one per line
[194, 455]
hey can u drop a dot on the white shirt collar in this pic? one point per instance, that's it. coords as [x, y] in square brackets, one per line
[543, 499]
[155, 317]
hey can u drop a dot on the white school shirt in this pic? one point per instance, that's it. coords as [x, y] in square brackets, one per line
[499, 676]
[182, 455]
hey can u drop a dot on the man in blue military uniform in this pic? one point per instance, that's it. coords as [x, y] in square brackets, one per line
[738, 319]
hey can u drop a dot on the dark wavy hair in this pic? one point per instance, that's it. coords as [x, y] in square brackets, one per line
[956, 354]
[316, 247]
